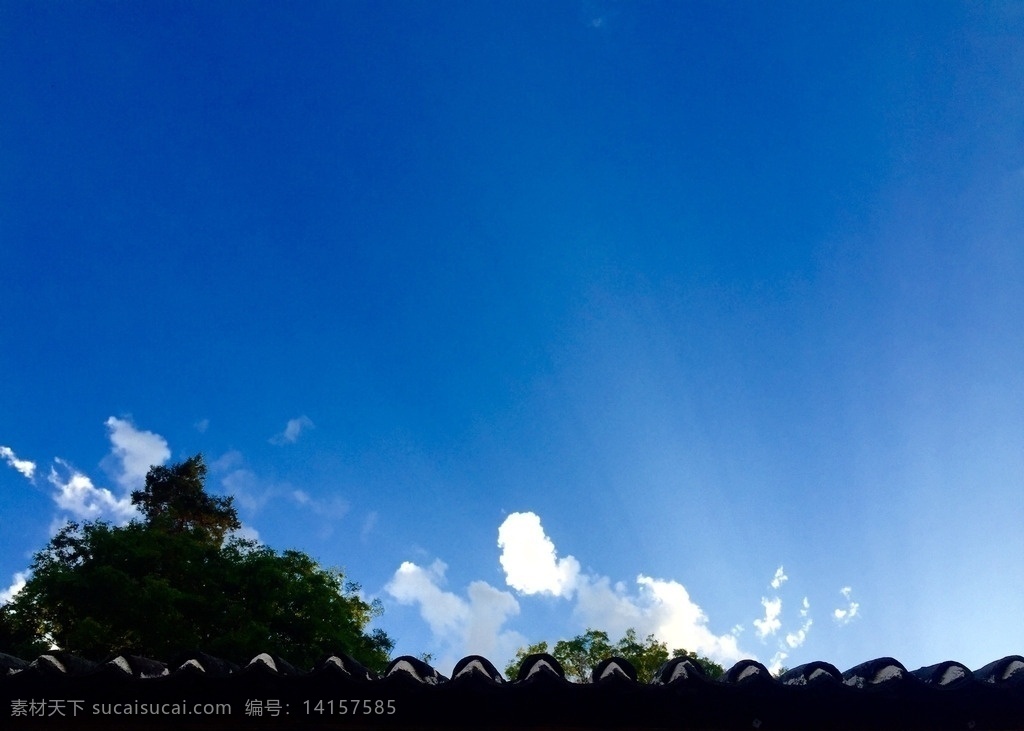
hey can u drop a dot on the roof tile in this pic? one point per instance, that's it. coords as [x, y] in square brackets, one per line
[877, 694]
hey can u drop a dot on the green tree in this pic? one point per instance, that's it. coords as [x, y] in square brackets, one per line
[581, 654]
[175, 499]
[177, 581]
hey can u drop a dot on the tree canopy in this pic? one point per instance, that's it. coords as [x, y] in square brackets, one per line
[175, 499]
[581, 654]
[178, 581]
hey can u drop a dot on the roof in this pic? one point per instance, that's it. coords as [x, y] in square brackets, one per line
[197, 691]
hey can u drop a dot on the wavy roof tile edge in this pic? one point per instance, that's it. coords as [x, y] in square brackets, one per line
[1006, 671]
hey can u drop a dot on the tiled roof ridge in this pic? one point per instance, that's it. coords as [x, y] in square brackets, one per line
[1007, 671]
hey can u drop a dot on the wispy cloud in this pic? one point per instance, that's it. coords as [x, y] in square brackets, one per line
[779, 579]
[369, 523]
[77, 495]
[247, 490]
[17, 584]
[460, 625]
[796, 639]
[133, 452]
[28, 469]
[332, 508]
[202, 425]
[292, 430]
[846, 615]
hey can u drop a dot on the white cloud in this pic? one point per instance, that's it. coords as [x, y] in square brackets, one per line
[28, 469]
[78, 496]
[133, 453]
[461, 626]
[529, 560]
[771, 623]
[18, 583]
[292, 430]
[796, 639]
[779, 579]
[845, 616]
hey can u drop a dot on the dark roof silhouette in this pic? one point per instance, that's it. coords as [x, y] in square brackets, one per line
[59, 690]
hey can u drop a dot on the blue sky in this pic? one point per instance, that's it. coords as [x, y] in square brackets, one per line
[701, 318]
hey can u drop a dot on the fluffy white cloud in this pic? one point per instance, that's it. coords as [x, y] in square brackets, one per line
[78, 496]
[28, 469]
[133, 452]
[461, 626]
[658, 606]
[292, 430]
[18, 583]
[529, 560]
[779, 579]
[845, 616]
[771, 623]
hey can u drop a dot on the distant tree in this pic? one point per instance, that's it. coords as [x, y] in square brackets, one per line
[581, 654]
[177, 581]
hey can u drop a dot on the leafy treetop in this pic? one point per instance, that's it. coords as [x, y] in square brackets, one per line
[174, 498]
